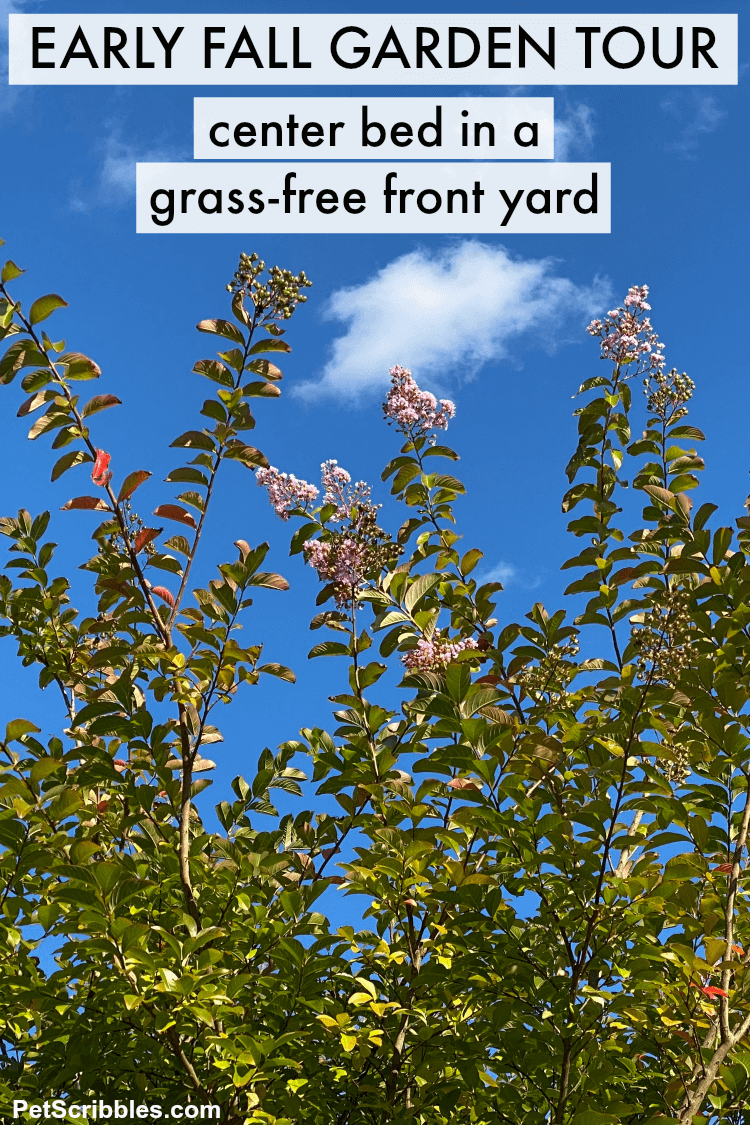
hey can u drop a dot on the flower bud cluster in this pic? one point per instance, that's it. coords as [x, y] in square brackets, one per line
[285, 491]
[415, 412]
[435, 654]
[278, 297]
[663, 640]
[627, 335]
[666, 394]
[551, 676]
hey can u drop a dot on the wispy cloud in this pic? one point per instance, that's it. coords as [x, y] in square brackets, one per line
[447, 313]
[503, 572]
[115, 183]
[699, 114]
[574, 130]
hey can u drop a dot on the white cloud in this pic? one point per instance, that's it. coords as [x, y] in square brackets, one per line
[574, 131]
[703, 114]
[447, 313]
[507, 575]
[503, 572]
[115, 184]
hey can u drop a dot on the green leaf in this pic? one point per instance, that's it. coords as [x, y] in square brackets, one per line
[43, 767]
[328, 648]
[10, 271]
[278, 670]
[441, 451]
[269, 581]
[265, 368]
[17, 728]
[99, 402]
[45, 306]
[79, 367]
[300, 537]
[419, 587]
[187, 476]
[247, 454]
[453, 483]
[221, 328]
[194, 499]
[165, 562]
[269, 346]
[217, 372]
[260, 390]
[470, 560]
[194, 439]
[68, 460]
[213, 409]
[178, 543]
[458, 681]
[687, 432]
[405, 474]
[132, 481]
[663, 495]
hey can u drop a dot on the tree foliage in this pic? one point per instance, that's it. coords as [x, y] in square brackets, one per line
[548, 846]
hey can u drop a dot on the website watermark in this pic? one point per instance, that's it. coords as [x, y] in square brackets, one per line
[61, 1109]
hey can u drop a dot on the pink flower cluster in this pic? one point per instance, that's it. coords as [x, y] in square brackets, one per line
[415, 411]
[636, 297]
[338, 490]
[431, 656]
[341, 562]
[626, 335]
[285, 491]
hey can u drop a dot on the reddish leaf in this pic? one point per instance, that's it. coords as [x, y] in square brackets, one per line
[146, 536]
[90, 503]
[463, 783]
[739, 950]
[710, 990]
[165, 595]
[684, 1035]
[102, 807]
[338, 879]
[131, 482]
[99, 474]
[175, 512]
[724, 868]
[120, 765]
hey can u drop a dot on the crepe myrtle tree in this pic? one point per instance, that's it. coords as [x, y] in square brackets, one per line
[547, 849]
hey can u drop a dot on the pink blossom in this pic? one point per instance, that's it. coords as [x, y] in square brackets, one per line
[285, 491]
[339, 491]
[342, 562]
[637, 295]
[627, 336]
[415, 411]
[431, 656]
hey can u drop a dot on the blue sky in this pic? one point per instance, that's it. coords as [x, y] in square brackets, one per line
[498, 324]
